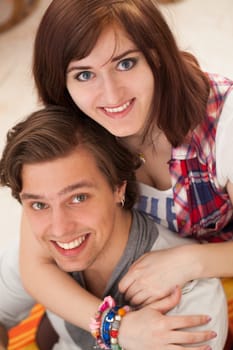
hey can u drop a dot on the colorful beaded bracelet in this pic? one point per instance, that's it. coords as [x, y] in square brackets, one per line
[95, 324]
[106, 323]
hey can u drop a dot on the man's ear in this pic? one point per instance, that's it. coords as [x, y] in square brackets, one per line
[120, 192]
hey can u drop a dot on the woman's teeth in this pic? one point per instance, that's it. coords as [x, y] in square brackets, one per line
[118, 109]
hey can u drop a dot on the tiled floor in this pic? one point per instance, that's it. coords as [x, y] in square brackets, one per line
[204, 27]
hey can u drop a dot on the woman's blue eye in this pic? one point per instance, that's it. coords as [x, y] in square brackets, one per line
[79, 198]
[39, 206]
[126, 64]
[84, 76]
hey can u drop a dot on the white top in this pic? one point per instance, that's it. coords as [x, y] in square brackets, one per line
[224, 143]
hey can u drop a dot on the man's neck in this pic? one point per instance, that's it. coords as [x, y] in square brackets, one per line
[98, 275]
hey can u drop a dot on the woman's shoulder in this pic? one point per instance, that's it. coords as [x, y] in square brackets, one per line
[218, 81]
[220, 87]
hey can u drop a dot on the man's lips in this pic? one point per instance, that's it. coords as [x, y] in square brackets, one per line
[72, 247]
[73, 244]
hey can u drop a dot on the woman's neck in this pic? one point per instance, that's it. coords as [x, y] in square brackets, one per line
[155, 155]
[154, 143]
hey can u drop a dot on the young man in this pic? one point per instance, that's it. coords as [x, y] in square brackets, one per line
[77, 187]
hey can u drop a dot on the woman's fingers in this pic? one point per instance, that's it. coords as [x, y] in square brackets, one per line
[180, 347]
[167, 303]
[194, 337]
[181, 322]
[163, 332]
[138, 291]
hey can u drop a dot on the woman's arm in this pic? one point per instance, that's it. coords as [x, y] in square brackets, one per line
[144, 283]
[46, 282]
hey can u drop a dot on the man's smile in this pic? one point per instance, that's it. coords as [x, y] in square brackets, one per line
[73, 244]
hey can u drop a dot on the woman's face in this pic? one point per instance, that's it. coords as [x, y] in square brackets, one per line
[114, 85]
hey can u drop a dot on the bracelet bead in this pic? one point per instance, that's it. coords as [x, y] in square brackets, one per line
[116, 347]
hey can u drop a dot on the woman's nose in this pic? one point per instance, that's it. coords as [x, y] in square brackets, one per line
[111, 89]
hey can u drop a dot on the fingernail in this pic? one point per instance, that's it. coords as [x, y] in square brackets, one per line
[209, 318]
[214, 334]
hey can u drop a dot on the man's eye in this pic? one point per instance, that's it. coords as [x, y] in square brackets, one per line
[84, 76]
[79, 198]
[127, 64]
[39, 206]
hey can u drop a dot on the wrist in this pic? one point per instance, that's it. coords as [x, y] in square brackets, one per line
[126, 334]
[121, 333]
[105, 324]
[191, 258]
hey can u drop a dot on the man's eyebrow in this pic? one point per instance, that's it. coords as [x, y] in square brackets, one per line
[113, 59]
[27, 196]
[67, 189]
[76, 186]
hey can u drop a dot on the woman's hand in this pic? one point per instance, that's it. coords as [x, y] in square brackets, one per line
[155, 275]
[148, 329]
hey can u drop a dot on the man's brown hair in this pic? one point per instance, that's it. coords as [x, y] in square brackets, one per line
[53, 133]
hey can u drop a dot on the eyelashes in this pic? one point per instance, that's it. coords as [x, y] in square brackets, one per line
[124, 65]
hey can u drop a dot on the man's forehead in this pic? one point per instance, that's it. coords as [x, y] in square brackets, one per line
[60, 176]
[25, 195]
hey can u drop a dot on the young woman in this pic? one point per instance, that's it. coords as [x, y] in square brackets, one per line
[119, 63]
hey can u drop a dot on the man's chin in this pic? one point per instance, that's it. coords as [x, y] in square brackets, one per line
[70, 267]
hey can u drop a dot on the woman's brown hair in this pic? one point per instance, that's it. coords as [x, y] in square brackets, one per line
[69, 30]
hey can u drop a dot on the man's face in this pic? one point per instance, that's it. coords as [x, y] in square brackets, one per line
[71, 208]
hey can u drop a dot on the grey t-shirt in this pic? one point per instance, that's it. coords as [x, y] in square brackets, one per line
[143, 234]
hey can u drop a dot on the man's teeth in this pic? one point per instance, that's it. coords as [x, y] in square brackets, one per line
[118, 109]
[71, 245]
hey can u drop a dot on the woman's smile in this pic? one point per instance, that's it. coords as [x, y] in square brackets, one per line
[119, 111]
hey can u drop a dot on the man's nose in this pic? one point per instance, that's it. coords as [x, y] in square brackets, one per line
[62, 223]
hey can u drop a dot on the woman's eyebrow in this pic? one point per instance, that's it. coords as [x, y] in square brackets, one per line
[113, 59]
[123, 54]
[78, 68]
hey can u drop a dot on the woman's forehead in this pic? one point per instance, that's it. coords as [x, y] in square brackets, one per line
[112, 43]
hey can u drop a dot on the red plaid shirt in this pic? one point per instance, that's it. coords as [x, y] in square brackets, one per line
[203, 209]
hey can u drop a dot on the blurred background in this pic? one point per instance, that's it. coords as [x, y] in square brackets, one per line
[203, 27]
